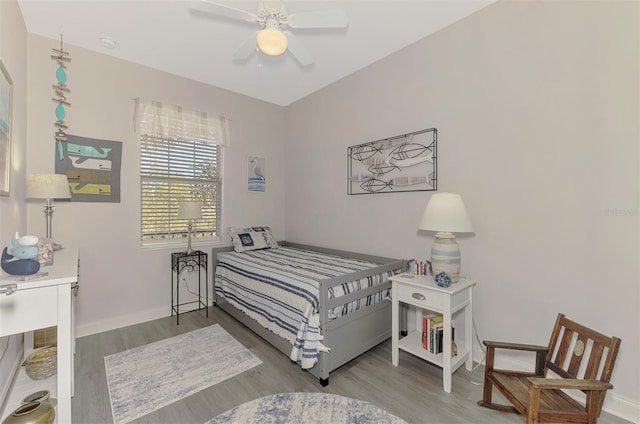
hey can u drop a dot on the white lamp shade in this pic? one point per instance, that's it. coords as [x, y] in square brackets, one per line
[190, 210]
[446, 212]
[272, 41]
[48, 186]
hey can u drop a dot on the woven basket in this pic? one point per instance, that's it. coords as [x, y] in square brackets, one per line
[42, 363]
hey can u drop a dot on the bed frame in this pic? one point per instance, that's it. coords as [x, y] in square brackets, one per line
[347, 336]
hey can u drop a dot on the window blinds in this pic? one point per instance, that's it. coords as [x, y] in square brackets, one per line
[173, 171]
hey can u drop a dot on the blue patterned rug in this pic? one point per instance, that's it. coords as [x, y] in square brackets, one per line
[149, 377]
[307, 408]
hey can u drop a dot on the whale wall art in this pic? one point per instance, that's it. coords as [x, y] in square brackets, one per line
[92, 167]
[402, 163]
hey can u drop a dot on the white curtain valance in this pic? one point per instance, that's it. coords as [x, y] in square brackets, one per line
[166, 121]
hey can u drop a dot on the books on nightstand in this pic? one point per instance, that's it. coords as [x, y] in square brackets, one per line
[432, 332]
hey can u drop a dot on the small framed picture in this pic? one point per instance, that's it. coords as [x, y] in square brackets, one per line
[256, 174]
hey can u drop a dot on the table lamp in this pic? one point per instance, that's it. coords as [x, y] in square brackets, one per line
[190, 211]
[445, 213]
[48, 186]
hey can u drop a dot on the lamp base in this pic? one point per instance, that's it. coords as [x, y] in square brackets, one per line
[189, 249]
[48, 211]
[445, 256]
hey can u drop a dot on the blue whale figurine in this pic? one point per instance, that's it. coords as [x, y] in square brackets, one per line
[23, 252]
[13, 266]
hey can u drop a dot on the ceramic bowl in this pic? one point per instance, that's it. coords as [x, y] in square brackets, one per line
[32, 413]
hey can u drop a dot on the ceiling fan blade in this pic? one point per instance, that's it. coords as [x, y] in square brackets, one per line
[301, 54]
[319, 19]
[226, 11]
[247, 48]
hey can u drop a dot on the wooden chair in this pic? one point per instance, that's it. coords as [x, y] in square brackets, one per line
[581, 358]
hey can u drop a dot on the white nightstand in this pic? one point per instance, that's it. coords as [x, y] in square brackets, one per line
[422, 292]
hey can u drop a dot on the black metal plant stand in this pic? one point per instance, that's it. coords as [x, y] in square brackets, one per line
[193, 261]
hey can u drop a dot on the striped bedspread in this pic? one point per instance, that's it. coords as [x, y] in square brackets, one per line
[279, 288]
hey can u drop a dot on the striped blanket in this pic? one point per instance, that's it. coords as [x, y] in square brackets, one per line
[279, 288]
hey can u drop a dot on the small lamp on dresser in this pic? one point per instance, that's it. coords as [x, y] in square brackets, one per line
[189, 210]
[445, 213]
[49, 187]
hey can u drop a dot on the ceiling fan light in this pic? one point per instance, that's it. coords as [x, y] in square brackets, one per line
[272, 41]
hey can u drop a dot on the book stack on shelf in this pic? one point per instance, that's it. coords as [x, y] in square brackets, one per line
[432, 331]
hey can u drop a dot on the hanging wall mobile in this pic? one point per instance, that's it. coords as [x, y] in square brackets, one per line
[402, 163]
[61, 91]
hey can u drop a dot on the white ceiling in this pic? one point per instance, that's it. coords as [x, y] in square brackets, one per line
[170, 35]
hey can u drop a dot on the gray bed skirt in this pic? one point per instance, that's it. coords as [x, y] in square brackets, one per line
[347, 336]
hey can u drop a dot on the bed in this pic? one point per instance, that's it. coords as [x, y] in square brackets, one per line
[348, 314]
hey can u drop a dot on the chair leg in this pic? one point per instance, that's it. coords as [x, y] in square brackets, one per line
[592, 406]
[488, 386]
[534, 405]
[487, 391]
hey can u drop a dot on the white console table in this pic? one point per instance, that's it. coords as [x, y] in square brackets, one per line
[41, 303]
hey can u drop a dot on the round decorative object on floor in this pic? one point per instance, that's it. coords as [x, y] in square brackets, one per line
[32, 413]
[306, 408]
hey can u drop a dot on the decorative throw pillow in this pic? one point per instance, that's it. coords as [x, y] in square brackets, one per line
[252, 238]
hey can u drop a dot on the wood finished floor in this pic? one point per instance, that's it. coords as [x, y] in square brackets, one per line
[411, 391]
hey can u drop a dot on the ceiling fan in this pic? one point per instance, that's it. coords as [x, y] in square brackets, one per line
[272, 16]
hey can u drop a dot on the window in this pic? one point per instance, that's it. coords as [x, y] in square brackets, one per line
[180, 160]
[172, 171]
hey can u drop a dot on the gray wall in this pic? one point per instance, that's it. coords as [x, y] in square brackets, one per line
[122, 283]
[536, 106]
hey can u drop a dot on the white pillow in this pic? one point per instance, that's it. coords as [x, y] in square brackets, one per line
[252, 238]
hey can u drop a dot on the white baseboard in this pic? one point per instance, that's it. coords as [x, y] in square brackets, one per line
[614, 404]
[622, 407]
[121, 321]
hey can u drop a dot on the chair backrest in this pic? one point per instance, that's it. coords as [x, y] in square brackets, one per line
[576, 351]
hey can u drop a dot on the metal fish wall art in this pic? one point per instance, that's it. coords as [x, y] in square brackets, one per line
[382, 166]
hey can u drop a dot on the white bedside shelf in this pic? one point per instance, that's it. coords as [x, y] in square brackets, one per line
[412, 343]
[423, 293]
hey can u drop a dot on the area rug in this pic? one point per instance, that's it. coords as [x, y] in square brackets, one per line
[149, 377]
[307, 408]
